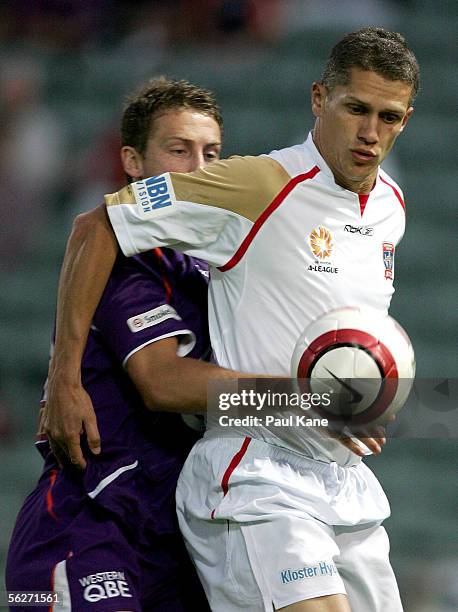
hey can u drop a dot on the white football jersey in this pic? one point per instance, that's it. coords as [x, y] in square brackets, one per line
[285, 244]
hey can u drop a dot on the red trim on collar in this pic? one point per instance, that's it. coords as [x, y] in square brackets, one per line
[396, 192]
[363, 198]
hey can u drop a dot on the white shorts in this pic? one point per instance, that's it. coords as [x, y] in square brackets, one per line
[267, 528]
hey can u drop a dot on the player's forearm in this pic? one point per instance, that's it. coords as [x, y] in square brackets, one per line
[89, 258]
[183, 388]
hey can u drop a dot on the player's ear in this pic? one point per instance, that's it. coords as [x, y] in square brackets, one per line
[406, 118]
[132, 162]
[318, 97]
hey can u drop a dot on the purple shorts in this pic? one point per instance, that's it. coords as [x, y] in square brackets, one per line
[96, 556]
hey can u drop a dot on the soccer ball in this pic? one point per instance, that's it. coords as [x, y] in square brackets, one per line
[362, 360]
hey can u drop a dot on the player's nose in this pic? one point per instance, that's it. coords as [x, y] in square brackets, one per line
[368, 129]
[197, 160]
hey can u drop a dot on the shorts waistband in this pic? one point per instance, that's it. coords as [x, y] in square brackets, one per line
[262, 449]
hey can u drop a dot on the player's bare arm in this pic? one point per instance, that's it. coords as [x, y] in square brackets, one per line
[88, 261]
[175, 384]
[166, 382]
[172, 383]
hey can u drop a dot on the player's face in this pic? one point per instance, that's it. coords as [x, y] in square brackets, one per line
[357, 124]
[179, 141]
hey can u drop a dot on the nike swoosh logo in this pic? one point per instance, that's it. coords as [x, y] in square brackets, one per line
[356, 396]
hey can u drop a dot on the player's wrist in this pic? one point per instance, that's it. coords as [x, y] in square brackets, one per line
[65, 370]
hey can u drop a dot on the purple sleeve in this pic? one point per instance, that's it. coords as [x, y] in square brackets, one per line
[135, 311]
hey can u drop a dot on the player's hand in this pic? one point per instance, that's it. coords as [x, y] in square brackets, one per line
[374, 444]
[373, 438]
[67, 414]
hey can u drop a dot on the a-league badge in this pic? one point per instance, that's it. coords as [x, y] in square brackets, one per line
[388, 259]
[321, 244]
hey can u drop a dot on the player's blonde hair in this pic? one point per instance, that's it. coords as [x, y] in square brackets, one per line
[157, 96]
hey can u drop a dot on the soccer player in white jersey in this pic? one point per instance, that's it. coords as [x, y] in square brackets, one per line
[285, 522]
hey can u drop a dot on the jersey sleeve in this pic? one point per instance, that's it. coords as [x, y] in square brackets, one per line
[134, 312]
[206, 213]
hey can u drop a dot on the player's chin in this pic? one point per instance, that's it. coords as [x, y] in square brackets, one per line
[364, 165]
[360, 172]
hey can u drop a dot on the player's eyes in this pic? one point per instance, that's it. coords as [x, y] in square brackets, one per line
[356, 109]
[389, 118]
[212, 156]
[178, 151]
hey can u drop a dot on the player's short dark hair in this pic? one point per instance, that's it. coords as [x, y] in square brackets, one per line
[374, 49]
[156, 97]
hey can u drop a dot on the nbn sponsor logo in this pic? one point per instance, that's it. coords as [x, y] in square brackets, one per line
[154, 193]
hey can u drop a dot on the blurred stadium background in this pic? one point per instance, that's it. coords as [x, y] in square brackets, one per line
[65, 67]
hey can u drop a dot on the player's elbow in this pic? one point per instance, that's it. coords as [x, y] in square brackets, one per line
[88, 223]
[84, 224]
[158, 397]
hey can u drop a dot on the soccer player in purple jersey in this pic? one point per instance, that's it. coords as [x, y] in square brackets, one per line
[106, 537]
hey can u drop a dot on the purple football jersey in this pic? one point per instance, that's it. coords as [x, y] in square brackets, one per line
[149, 297]
[108, 536]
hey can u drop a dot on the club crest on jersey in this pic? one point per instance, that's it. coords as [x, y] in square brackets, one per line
[321, 244]
[154, 193]
[388, 259]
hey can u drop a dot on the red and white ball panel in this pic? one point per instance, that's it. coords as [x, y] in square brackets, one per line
[371, 349]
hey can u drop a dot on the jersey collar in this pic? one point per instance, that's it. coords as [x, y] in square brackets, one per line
[326, 171]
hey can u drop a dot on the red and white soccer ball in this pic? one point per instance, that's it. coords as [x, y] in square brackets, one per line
[361, 355]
